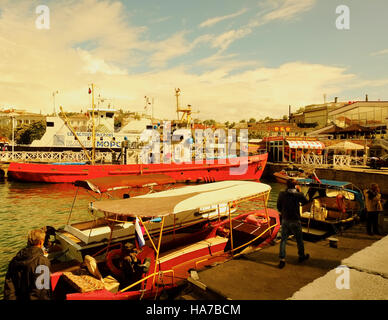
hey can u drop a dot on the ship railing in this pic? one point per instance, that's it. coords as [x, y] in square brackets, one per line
[50, 156]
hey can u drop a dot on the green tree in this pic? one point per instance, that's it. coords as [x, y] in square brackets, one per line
[30, 132]
[252, 120]
[210, 122]
[6, 132]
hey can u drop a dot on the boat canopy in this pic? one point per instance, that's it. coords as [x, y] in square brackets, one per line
[186, 199]
[111, 183]
[324, 183]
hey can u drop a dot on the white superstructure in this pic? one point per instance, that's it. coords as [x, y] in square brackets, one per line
[59, 135]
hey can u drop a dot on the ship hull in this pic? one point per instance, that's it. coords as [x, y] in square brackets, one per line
[249, 168]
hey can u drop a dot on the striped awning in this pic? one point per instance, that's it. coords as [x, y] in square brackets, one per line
[305, 144]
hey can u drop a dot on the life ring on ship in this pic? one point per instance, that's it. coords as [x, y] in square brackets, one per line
[341, 203]
[114, 254]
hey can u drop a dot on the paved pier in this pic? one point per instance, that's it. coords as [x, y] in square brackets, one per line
[367, 277]
[257, 277]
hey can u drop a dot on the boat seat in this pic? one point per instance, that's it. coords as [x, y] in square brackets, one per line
[83, 282]
[193, 247]
[249, 228]
[331, 204]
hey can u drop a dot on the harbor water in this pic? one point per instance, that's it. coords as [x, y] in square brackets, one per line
[26, 206]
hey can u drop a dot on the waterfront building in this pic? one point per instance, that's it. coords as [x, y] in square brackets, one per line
[276, 128]
[315, 115]
[291, 149]
[20, 117]
[368, 114]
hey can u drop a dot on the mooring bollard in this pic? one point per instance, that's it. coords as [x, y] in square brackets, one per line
[333, 242]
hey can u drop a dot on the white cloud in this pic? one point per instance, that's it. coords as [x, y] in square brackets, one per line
[228, 62]
[280, 10]
[283, 10]
[215, 20]
[224, 40]
[174, 46]
[96, 43]
[271, 10]
[159, 20]
[380, 52]
[94, 65]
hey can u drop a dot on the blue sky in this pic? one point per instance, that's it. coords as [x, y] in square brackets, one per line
[226, 56]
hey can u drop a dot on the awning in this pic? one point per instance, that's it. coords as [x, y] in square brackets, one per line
[347, 145]
[190, 198]
[305, 144]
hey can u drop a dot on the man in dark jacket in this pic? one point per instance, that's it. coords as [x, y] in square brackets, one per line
[288, 204]
[28, 276]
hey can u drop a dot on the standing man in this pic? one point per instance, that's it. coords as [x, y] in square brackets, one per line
[288, 204]
[373, 207]
[28, 276]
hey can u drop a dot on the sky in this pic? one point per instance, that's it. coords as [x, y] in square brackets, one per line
[231, 59]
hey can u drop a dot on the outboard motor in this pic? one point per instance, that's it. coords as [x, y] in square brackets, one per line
[49, 239]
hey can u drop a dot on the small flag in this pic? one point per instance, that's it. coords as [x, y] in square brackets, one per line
[90, 91]
[139, 233]
[315, 177]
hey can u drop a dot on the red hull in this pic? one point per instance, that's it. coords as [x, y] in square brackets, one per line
[194, 172]
[180, 263]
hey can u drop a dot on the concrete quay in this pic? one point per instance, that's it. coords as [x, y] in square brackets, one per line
[256, 276]
[367, 277]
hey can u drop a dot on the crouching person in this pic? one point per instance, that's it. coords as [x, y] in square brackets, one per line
[28, 275]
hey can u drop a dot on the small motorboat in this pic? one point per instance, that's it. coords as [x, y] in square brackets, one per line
[332, 205]
[76, 240]
[289, 173]
[152, 262]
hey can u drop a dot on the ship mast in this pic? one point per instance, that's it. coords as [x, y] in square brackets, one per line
[186, 112]
[177, 93]
[93, 128]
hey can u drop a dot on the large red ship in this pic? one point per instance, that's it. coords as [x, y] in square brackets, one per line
[244, 168]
